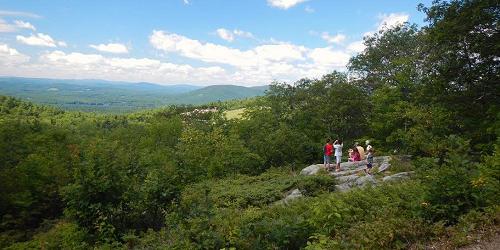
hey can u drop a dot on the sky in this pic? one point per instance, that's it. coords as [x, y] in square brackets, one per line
[199, 42]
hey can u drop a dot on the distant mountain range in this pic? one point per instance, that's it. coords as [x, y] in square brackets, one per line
[110, 96]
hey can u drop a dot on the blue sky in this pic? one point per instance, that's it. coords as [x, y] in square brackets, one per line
[199, 42]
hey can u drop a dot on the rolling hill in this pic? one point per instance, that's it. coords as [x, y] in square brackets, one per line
[109, 96]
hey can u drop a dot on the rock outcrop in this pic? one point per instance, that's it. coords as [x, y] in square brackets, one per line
[294, 194]
[352, 174]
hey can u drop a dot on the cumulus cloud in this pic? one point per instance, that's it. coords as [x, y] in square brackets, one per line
[329, 57]
[116, 48]
[230, 35]
[284, 4]
[388, 21]
[335, 39]
[242, 33]
[356, 47]
[24, 25]
[75, 65]
[214, 53]
[15, 26]
[10, 56]
[225, 34]
[39, 39]
[263, 63]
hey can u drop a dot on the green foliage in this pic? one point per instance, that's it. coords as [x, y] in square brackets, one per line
[62, 235]
[253, 191]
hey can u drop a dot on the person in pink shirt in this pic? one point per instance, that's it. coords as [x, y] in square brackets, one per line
[355, 155]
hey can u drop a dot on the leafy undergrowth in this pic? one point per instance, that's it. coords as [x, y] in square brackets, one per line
[246, 191]
[471, 228]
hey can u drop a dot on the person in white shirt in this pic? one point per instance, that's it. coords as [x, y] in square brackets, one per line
[368, 146]
[337, 145]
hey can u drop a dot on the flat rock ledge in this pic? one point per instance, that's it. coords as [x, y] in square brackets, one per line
[347, 168]
[352, 174]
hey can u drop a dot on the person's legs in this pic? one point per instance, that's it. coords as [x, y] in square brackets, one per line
[328, 158]
[338, 158]
[369, 168]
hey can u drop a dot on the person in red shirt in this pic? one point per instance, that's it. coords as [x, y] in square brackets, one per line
[327, 154]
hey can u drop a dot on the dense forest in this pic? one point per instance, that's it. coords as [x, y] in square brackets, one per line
[186, 177]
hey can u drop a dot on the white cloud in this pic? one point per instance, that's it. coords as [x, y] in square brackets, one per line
[214, 53]
[225, 34]
[230, 35]
[58, 64]
[261, 64]
[242, 33]
[185, 2]
[24, 25]
[18, 13]
[39, 39]
[116, 48]
[335, 39]
[308, 9]
[6, 27]
[391, 20]
[284, 4]
[10, 56]
[14, 27]
[219, 64]
[356, 47]
[329, 57]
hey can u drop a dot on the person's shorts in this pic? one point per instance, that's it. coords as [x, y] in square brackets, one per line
[339, 158]
[326, 159]
[369, 165]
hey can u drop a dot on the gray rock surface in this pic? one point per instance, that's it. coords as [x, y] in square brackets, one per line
[352, 174]
[347, 178]
[312, 170]
[365, 180]
[383, 166]
[291, 196]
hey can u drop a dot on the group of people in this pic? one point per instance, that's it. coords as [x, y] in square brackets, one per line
[357, 153]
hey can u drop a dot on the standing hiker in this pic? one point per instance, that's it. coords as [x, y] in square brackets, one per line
[338, 152]
[327, 154]
[369, 160]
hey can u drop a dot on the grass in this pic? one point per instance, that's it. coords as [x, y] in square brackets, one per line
[234, 114]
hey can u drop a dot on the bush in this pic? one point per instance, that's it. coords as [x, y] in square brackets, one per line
[62, 235]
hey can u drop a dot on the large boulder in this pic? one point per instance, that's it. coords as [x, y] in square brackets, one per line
[312, 170]
[365, 180]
